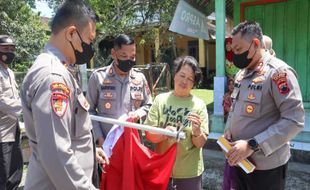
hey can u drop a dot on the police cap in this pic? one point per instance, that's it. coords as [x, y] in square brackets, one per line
[6, 40]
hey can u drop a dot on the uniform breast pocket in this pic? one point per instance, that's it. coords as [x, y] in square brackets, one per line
[251, 104]
[107, 102]
[82, 119]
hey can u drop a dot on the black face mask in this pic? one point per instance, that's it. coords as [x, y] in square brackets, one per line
[125, 65]
[86, 55]
[7, 57]
[241, 60]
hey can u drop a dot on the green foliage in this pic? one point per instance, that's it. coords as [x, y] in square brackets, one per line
[18, 20]
[135, 17]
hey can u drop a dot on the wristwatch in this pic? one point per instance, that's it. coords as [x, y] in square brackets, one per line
[253, 144]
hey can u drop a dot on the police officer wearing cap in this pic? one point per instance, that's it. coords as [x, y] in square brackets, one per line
[266, 113]
[118, 88]
[56, 114]
[11, 162]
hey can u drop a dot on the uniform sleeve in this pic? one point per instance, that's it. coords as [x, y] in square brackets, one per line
[147, 102]
[9, 106]
[92, 98]
[153, 117]
[288, 99]
[54, 140]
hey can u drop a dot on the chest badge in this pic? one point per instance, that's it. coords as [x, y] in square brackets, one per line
[108, 95]
[107, 81]
[251, 96]
[249, 109]
[258, 79]
[108, 105]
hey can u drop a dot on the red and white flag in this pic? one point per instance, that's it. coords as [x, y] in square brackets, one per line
[135, 167]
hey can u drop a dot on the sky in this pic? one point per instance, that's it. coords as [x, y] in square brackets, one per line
[43, 8]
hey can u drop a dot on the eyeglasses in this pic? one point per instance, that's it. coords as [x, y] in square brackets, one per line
[188, 79]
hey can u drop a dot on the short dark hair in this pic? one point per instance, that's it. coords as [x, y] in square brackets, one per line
[248, 30]
[192, 62]
[122, 39]
[74, 12]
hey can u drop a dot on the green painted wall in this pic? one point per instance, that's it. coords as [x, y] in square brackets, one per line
[288, 24]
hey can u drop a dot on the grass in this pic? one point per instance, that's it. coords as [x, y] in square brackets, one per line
[206, 96]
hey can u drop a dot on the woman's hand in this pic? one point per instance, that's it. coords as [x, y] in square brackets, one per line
[194, 118]
[199, 138]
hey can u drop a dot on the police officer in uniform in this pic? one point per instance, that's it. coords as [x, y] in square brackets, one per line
[11, 162]
[55, 110]
[266, 113]
[118, 89]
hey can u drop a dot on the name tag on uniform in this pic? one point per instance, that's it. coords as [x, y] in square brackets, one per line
[107, 87]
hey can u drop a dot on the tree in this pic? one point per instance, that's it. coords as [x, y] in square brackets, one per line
[138, 17]
[18, 20]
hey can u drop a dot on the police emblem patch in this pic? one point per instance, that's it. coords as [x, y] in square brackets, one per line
[108, 95]
[249, 109]
[59, 103]
[281, 81]
[251, 96]
[108, 105]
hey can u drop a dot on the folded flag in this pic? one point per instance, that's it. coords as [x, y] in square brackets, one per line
[133, 166]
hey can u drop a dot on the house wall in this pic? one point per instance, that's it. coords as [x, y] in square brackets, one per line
[288, 24]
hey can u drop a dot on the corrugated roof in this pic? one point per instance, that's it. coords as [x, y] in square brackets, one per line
[208, 6]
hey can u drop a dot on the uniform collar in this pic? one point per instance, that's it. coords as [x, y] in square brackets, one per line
[111, 71]
[259, 67]
[50, 49]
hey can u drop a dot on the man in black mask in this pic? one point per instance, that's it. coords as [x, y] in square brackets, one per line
[11, 162]
[266, 113]
[118, 88]
[56, 114]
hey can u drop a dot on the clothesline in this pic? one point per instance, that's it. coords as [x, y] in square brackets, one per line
[175, 134]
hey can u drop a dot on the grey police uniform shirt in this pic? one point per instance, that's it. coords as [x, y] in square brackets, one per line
[10, 105]
[267, 105]
[110, 95]
[58, 126]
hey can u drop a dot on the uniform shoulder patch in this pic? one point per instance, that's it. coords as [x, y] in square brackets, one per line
[60, 88]
[59, 98]
[280, 79]
[59, 103]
